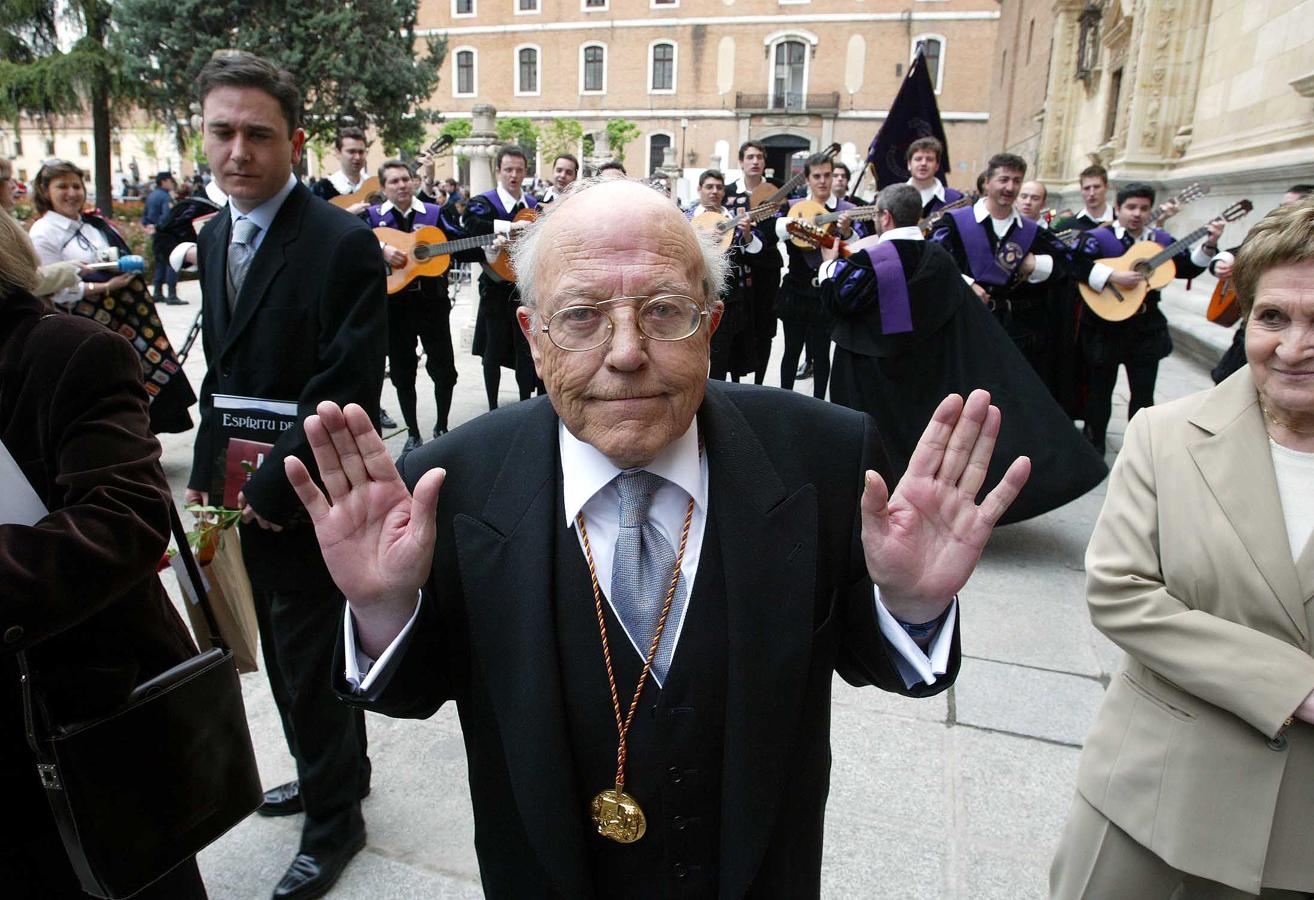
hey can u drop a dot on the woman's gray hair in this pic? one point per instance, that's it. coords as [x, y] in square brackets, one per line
[526, 248]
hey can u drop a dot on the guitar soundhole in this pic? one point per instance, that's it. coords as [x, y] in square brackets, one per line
[421, 252]
[1143, 268]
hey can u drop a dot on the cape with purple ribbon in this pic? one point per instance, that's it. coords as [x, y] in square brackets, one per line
[891, 288]
[1112, 248]
[994, 267]
[378, 219]
[495, 200]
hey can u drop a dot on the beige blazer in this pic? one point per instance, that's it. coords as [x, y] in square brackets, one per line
[1190, 572]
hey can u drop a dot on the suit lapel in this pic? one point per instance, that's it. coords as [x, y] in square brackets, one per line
[213, 244]
[1248, 493]
[768, 542]
[505, 557]
[269, 260]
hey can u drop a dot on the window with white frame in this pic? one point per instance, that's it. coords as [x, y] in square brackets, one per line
[526, 7]
[593, 69]
[593, 5]
[527, 70]
[663, 4]
[657, 146]
[789, 75]
[661, 68]
[932, 47]
[465, 83]
[463, 8]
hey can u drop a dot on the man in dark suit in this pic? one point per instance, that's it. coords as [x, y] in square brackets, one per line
[294, 309]
[558, 537]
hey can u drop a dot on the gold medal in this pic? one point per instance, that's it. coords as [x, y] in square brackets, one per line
[618, 816]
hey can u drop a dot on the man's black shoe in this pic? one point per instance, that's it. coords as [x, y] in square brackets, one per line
[439, 432]
[805, 370]
[285, 800]
[413, 442]
[385, 420]
[314, 874]
[175, 300]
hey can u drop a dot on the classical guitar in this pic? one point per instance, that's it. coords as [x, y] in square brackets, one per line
[1224, 308]
[1155, 265]
[927, 225]
[820, 218]
[764, 202]
[1193, 191]
[429, 252]
[371, 185]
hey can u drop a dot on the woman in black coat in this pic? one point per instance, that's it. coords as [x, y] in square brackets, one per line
[80, 594]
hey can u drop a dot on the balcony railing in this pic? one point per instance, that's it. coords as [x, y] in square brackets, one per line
[787, 102]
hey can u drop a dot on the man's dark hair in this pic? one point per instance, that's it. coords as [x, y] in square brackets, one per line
[1094, 172]
[815, 160]
[711, 173]
[509, 150]
[980, 182]
[240, 69]
[452, 182]
[570, 156]
[612, 164]
[162, 177]
[1135, 189]
[747, 145]
[903, 202]
[351, 131]
[1009, 161]
[848, 173]
[391, 164]
[929, 144]
[1303, 190]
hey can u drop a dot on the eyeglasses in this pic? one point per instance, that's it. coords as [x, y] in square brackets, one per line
[665, 317]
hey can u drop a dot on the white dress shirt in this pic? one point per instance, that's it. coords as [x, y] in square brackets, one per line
[1099, 273]
[344, 185]
[1044, 262]
[57, 238]
[936, 190]
[503, 226]
[1106, 216]
[906, 233]
[588, 486]
[263, 215]
[1295, 481]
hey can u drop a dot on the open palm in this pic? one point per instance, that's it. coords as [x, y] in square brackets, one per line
[922, 543]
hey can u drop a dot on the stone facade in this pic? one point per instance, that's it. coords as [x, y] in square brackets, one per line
[138, 143]
[594, 60]
[1166, 91]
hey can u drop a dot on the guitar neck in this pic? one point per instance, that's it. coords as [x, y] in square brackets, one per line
[857, 213]
[447, 248]
[1176, 247]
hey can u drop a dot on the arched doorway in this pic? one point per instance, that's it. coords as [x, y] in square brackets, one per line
[780, 152]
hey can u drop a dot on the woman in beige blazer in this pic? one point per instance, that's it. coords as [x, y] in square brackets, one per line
[1197, 779]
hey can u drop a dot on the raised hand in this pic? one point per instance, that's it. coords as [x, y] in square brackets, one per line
[376, 538]
[922, 543]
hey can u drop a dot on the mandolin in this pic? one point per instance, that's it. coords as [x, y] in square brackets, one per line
[812, 236]
[764, 202]
[371, 185]
[429, 252]
[1154, 263]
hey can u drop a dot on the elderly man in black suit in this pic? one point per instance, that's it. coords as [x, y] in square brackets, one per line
[637, 588]
[294, 308]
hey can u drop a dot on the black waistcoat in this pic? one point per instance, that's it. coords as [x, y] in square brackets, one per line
[675, 744]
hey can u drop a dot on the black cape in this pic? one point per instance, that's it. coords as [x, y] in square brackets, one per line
[956, 346]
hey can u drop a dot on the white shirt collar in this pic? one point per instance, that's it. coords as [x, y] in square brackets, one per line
[1105, 216]
[906, 233]
[263, 215]
[927, 193]
[585, 471]
[215, 193]
[981, 213]
[343, 184]
[507, 200]
[1119, 231]
[416, 206]
[62, 222]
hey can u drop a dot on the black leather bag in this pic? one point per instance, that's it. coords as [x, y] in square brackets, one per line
[143, 789]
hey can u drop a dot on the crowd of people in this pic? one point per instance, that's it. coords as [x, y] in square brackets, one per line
[642, 537]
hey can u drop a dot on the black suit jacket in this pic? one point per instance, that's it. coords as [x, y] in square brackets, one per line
[785, 478]
[309, 325]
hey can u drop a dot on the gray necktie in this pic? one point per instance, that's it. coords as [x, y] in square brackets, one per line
[240, 252]
[641, 571]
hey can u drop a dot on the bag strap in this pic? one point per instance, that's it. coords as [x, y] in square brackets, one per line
[194, 575]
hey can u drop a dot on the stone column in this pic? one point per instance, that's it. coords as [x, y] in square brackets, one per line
[481, 149]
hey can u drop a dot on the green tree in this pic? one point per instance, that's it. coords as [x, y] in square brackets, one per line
[457, 128]
[561, 136]
[40, 79]
[519, 130]
[620, 132]
[357, 63]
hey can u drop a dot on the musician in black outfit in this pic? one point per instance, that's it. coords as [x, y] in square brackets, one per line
[351, 146]
[1138, 343]
[1010, 263]
[422, 309]
[764, 267]
[733, 341]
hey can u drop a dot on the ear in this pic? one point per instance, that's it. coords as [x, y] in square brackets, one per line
[714, 318]
[526, 317]
[298, 144]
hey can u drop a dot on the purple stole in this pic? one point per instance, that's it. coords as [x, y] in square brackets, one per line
[891, 288]
[389, 219]
[495, 201]
[1112, 248]
[997, 267]
[950, 195]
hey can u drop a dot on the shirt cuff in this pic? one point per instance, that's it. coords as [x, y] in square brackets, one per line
[782, 232]
[826, 270]
[753, 246]
[1099, 276]
[364, 673]
[178, 254]
[1201, 257]
[501, 226]
[969, 279]
[915, 665]
[1222, 256]
[1044, 268]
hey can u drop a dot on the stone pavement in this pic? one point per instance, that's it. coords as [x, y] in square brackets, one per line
[959, 796]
